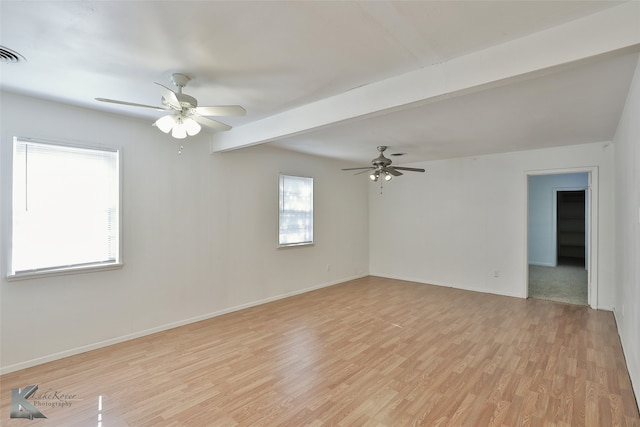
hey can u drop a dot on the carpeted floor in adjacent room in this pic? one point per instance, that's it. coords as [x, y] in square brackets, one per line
[564, 283]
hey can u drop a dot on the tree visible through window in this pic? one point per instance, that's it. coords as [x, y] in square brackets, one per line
[296, 210]
[65, 207]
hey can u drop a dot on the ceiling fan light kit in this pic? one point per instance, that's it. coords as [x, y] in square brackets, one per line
[178, 125]
[376, 175]
[185, 118]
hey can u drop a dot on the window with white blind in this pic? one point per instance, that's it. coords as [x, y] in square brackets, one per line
[65, 208]
[296, 211]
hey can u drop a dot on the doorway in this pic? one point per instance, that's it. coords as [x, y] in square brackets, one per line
[561, 222]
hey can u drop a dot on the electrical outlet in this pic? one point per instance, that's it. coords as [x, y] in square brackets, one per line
[496, 273]
[328, 267]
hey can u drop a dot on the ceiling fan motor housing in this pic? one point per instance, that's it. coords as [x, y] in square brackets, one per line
[381, 161]
[187, 101]
[181, 80]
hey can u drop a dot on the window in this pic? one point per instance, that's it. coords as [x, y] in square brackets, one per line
[65, 208]
[296, 211]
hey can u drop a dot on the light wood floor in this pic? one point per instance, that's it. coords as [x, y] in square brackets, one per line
[373, 352]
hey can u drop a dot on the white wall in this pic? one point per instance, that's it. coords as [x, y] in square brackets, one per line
[627, 232]
[200, 236]
[541, 214]
[464, 221]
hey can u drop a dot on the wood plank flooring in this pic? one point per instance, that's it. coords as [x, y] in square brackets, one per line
[369, 352]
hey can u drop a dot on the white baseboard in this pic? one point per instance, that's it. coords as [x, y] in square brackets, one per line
[139, 334]
[446, 285]
[544, 264]
[633, 363]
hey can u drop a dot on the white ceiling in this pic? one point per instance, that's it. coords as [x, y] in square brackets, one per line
[434, 79]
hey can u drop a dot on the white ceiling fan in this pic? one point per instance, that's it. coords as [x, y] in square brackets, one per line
[381, 167]
[185, 116]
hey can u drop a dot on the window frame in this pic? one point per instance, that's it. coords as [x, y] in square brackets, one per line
[281, 175]
[63, 270]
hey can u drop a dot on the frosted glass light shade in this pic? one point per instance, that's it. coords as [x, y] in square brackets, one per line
[179, 132]
[166, 123]
[191, 126]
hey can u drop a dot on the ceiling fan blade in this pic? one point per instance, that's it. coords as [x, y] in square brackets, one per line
[366, 170]
[210, 123]
[409, 169]
[355, 169]
[391, 170]
[132, 104]
[221, 110]
[170, 97]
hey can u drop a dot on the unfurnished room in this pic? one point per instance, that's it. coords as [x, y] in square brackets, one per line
[319, 213]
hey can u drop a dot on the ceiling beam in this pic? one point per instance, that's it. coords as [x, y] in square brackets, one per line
[610, 32]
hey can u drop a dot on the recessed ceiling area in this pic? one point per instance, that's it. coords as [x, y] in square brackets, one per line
[336, 79]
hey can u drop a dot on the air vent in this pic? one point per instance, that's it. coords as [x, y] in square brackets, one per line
[8, 56]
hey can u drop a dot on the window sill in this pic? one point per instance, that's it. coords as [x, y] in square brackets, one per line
[296, 245]
[62, 271]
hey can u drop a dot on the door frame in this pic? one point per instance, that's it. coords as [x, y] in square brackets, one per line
[591, 230]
